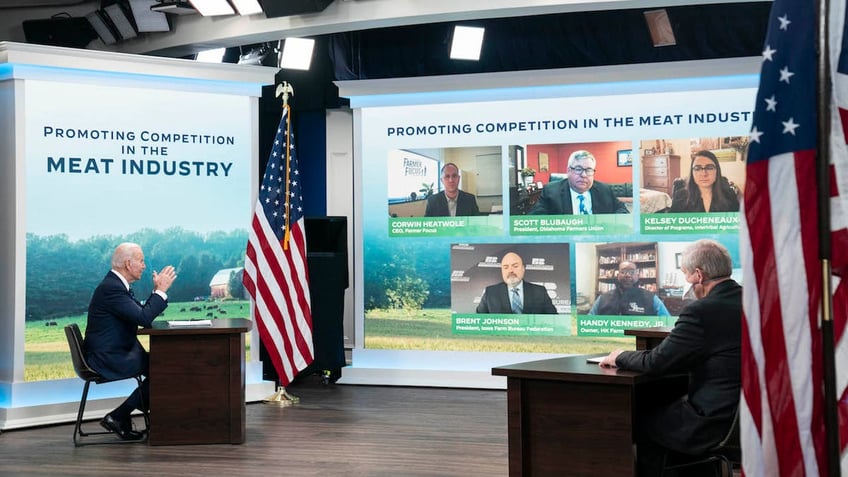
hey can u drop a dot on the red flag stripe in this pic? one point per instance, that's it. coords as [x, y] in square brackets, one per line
[806, 170]
[267, 308]
[289, 272]
[843, 114]
[780, 427]
[839, 216]
[277, 331]
[782, 367]
[809, 369]
[781, 347]
[297, 297]
[285, 304]
[275, 262]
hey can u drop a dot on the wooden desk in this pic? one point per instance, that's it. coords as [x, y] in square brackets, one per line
[648, 338]
[197, 383]
[570, 417]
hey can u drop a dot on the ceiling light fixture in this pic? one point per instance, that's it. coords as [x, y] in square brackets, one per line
[120, 17]
[659, 25]
[467, 43]
[211, 8]
[247, 7]
[147, 19]
[96, 20]
[297, 53]
[174, 7]
[210, 56]
[257, 55]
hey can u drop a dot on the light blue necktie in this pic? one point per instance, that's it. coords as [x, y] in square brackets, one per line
[516, 301]
[583, 210]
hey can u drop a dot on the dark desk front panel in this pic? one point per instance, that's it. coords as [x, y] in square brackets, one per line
[197, 384]
[570, 417]
[575, 429]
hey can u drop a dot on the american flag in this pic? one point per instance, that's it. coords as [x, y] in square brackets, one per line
[275, 272]
[783, 403]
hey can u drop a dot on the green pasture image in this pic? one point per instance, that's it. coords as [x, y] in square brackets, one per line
[46, 354]
[430, 330]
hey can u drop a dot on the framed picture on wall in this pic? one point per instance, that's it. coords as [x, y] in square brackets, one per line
[625, 157]
[543, 161]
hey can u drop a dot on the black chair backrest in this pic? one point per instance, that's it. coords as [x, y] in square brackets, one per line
[731, 440]
[72, 332]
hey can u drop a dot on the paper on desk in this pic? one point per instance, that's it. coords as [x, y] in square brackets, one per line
[596, 359]
[177, 324]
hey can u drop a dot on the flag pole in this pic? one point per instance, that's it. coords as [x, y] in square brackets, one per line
[282, 397]
[824, 103]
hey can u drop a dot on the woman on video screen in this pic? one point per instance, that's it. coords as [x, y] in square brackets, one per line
[706, 190]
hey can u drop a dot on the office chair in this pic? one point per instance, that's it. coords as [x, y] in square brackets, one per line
[720, 458]
[89, 375]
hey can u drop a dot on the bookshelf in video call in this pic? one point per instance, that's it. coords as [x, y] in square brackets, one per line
[610, 256]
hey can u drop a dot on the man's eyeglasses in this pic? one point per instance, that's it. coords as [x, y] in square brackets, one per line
[581, 171]
[708, 168]
[627, 271]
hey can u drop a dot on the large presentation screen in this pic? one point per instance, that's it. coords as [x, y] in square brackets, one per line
[169, 170]
[544, 224]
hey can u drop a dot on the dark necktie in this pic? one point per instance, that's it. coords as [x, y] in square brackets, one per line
[516, 302]
[582, 200]
[132, 295]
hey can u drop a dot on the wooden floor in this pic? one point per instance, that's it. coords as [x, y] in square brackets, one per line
[335, 430]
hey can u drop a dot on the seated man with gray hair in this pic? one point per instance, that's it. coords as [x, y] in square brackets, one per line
[705, 343]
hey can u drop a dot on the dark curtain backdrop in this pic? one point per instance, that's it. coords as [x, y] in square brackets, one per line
[566, 40]
[552, 41]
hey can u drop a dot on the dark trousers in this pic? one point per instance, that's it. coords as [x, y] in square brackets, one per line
[139, 399]
[652, 460]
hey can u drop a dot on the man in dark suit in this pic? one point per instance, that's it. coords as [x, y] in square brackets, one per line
[705, 343]
[451, 202]
[514, 295]
[580, 193]
[111, 346]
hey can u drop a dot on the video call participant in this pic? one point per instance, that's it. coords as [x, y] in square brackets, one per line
[514, 295]
[705, 343]
[451, 202]
[627, 298]
[580, 193]
[111, 346]
[706, 190]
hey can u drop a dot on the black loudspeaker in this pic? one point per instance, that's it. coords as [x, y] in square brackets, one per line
[326, 262]
[284, 8]
[326, 259]
[60, 31]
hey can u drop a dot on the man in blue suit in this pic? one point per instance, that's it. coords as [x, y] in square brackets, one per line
[114, 315]
[580, 194]
[514, 294]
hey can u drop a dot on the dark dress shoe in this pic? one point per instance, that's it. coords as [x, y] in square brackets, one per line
[122, 429]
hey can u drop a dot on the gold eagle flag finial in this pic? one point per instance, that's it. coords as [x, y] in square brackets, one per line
[285, 89]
